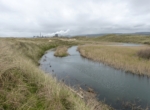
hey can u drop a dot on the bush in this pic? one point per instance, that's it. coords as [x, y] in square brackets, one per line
[144, 53]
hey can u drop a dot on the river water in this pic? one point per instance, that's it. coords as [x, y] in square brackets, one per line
[112, 86]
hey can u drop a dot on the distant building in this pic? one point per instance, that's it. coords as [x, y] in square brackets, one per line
[56, 35]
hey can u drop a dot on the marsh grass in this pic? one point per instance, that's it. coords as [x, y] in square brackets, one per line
[23, 86]
[119, 57]
[61, 51]
[145, 53]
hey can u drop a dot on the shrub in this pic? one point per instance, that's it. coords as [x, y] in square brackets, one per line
[144, 53]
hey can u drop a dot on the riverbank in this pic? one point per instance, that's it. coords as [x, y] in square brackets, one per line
[119, 57]
[24, 86]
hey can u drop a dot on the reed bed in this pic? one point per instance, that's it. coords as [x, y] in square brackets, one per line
[144, 53]
[119, 57]
[61, 51]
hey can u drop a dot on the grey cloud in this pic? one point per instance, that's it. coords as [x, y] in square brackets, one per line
[29, 18]
[62, 32]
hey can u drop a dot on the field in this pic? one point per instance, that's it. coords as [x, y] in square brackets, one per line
[24, 86]
[142, 39]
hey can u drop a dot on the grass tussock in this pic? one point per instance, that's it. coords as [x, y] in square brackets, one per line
[61, 51]
[23, 86]
[144, 53]
[120, 57]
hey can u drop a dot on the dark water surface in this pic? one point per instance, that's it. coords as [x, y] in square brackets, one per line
[111, 85]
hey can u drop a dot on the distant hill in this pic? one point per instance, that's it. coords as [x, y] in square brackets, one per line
[143, 33]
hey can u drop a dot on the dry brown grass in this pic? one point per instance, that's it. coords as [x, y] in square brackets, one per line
[61, 51]
[24, 86]
[120, 57]
[145, 53]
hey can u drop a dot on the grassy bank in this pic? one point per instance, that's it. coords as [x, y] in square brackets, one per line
[24, 86]
[120, 57]
[61, 51]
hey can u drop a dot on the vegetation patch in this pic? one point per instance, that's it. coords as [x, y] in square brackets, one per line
[24, 86]
[61, 51]
[125, 38]
[119, 57]
[145, 53]
[143, 39]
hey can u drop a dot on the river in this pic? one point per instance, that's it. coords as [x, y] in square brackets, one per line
[112, 86]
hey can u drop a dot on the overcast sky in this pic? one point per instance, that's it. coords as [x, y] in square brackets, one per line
[73, 17]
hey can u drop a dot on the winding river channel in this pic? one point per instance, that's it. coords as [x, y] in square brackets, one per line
[112, 85]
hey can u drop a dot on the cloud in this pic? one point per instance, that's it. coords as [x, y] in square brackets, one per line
[62, 32]
[29, 18]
